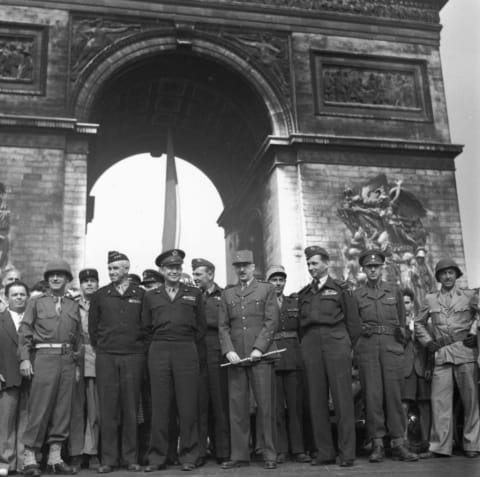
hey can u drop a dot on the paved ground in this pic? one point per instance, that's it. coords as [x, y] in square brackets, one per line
[456, 466]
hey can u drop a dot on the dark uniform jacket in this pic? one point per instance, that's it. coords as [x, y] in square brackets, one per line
[9, 366]
[212, 307]
[287, 335]
[114, 320]
[248, 318]
[41, 324]
[332, 305]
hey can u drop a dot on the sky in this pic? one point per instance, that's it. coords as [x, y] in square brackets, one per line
[201, 203]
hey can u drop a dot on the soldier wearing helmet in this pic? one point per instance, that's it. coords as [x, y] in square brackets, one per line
[49, 337]
[447, 327]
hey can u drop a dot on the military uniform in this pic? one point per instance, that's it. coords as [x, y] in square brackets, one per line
[248, 319]
[330, 324]
[50, 339]
[380, 358]
[116, 334]
[176, 328]
[289, 378]
[453, 316]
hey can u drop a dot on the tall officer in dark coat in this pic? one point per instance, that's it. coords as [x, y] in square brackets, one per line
[380, 357]
[330, 324]
[174, 318]
[214, 391]
[50, 335]
[288, 372]
[13, 388]
[117, 337]
[247, 323]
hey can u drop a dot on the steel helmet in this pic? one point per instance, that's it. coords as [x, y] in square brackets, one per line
[447, 263]
[58, 265]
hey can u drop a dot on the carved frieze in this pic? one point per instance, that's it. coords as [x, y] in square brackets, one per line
[370, 86]
[22, 58]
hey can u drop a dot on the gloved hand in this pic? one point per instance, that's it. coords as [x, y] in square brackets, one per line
[433, 346]
[470, 341]
[400, 335]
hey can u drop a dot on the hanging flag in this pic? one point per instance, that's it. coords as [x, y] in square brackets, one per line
[171, 216]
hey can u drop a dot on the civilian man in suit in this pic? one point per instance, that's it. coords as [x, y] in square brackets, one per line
[13, 389]
[330, 326]
[117, 337]
[214, 388]
[174, 319]
[288, 372]
[247, 324]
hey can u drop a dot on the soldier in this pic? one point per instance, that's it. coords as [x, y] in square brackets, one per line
[214, 392]
[174, 319]
[330, 325]
[418, 374]
[84, 430]
[380, 357]
[117, 337]
[247, 323]
[452, 338]
[49, 341]
[288, 372]
[151, 279]
[13, 389]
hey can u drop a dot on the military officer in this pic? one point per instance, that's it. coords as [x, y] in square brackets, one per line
[214, 387]
[453, 313]
[174, 318]
[151, 279]
[330, 324]
[380, 357]
[84, 429]
[247, 323]
[117, 337]
[49, 341]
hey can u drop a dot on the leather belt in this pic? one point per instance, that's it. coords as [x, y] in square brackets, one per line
[285, 334]
[368, 330]
[61, 347]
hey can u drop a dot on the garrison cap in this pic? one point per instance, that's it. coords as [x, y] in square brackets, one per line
[58, 265]
[371, 257]
[87, 273]
[316, 250]
[242, 256]
[202, 262]
[152, 276]
[445, 263]
[275, 270]
[134, 278]
[114, 256]
[174, 256]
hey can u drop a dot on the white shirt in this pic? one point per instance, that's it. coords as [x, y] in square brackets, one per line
[17, 318]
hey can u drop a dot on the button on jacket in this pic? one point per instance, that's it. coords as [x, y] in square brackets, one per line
[114, 320]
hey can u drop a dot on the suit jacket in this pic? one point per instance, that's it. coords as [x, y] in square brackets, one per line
[9, 363]
[248, 318]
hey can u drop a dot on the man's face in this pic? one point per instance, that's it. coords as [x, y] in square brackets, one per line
[279, 282]
[17, 298]
[89, 286]
[244, 271]
[203, 277]
[57, 281]
[172, 273]
[317, 266]
[447, 277]
[408, 302]
[10, 277]
[118, 271]
[373, 272]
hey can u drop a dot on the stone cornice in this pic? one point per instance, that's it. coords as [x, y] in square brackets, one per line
[43, 122]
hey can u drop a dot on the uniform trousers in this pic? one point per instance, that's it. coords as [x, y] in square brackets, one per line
[203, 411]
[328, 366]
[289, 385]
[174, 373]
[119, 379]
[84, 424]
[218, 401]
[441, 434]
[13, 419]
[260, 378]
[380, 363]
[50, 401]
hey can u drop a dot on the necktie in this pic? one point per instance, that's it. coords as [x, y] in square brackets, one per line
[171, 292]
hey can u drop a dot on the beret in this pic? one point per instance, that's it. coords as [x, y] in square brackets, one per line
[316, 250]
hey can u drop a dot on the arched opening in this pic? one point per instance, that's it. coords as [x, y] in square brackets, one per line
[129, 209]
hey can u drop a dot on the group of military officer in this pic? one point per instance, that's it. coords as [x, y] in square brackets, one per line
[194, 363]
